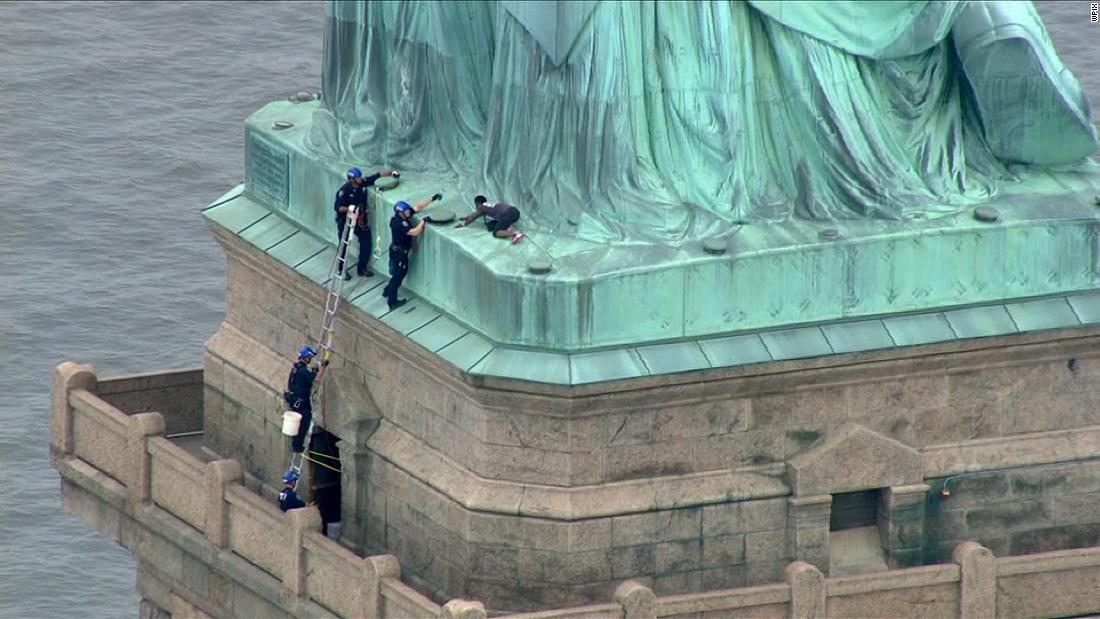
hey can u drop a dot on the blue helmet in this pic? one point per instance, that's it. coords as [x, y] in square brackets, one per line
[290, 477]
[306, 351]
[355, 173]
[401, 206]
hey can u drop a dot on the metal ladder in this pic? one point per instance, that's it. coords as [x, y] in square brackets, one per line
[334, 286]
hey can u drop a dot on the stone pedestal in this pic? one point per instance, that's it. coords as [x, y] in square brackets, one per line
[527, 494]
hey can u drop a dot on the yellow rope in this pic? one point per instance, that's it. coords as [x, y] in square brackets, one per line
[322, 463]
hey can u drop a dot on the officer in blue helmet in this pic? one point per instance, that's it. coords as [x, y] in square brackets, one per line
[288, 498]
[404, 229]
[299, 392]
[354, 193]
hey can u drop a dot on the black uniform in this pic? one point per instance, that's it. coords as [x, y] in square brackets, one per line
[289, 499]
[349, 195]
[399, 255]
[299, 389]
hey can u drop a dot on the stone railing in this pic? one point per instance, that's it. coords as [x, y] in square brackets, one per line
[126, 461]
[976, 586]
[176, 394]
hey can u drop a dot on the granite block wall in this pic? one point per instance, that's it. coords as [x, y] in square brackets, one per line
[470, 529]
[1016, 512]
[520, 563]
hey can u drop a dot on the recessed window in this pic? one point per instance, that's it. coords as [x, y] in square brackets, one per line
[324, 458]
[854, 509]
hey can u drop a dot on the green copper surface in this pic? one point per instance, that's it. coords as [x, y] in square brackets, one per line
[632, 135]
[644, 121]
[432, 328]
[774, 273]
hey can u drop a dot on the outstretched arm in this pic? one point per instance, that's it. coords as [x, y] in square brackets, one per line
[424, 204]
[472, 217]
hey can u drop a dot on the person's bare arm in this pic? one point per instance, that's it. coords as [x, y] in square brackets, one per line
[472, 217]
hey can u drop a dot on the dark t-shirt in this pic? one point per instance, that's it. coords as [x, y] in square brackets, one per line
[349, 195]
[399, 229]
[492, 210]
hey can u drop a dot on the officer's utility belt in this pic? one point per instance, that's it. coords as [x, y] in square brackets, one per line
[399, 251]
[292, 399]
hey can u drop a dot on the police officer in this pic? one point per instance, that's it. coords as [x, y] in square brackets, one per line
[299, 392]
[354, 193]
[288, 498]
[404, 229]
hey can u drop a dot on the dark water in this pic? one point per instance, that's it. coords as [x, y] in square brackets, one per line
[118, 122]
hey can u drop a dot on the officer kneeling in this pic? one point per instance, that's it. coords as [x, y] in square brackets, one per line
[403, 229]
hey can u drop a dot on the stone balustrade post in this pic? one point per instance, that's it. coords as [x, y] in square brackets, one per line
[978, 582]
[138, 430]
[807, 591]
[808, 528]
[637, 600]
[375, 569]
[218, 475]
[901, 515]
[462, 609]
[294, 573]
[67, 377]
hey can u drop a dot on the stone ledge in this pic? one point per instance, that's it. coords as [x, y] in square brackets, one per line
[894, 579]
[1022, 449]
[710, 601]
[561, 503]
[434, 469]
[765, 377]
[747, 286]
[147, 381]
[721, 351]
[95, 481]
[1048, 562]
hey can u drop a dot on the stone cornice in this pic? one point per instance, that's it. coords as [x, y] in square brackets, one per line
[670, 492]
[735, 381]
[634, 368]
[560, 503]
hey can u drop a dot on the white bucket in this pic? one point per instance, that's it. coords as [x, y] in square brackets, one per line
[291, 422]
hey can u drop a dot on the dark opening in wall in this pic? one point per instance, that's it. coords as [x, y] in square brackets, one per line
[325, 469]
[854, 509]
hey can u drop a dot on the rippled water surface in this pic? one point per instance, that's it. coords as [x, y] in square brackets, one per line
[118, 122]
